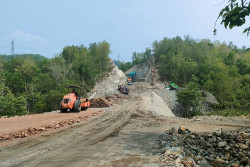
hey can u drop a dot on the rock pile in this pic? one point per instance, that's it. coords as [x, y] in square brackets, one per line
[107, 101]
[219, 149]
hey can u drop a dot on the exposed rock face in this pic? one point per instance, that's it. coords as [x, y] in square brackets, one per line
[109, 85]
[208, 102]
[143, 70]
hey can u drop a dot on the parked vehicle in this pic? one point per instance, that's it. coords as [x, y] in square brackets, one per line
[131, 78]
[123, 89]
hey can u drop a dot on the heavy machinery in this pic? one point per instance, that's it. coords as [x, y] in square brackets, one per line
[129, 81]
[123, 89]
[73, 101]
[131, 77]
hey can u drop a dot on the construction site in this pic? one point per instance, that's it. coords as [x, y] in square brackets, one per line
[132, 120]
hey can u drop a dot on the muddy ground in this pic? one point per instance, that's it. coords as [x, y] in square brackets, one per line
[124, 135]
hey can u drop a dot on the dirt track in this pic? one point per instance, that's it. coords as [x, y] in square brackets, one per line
[19, 123]
[124, 135]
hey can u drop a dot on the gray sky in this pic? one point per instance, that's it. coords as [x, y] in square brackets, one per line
[47, 26]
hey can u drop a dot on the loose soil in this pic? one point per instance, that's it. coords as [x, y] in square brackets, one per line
[24, 126]
[123, 135]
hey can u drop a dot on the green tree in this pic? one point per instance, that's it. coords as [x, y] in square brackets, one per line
[189, 98]
[235, 14]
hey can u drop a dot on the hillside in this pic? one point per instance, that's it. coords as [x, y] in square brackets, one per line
[25, 56]
[33, 84]
[139, 130]
[199, 66]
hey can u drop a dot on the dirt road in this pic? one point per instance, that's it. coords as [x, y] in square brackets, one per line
[19, 123]
[124, 135]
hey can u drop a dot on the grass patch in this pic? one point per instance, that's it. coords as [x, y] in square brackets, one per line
[230, 112]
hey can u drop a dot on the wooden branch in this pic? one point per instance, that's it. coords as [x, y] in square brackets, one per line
[243, 4]
[220, 3]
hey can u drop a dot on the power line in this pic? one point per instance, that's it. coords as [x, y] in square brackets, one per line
[4, 46]
[15, 48]
[39, 50]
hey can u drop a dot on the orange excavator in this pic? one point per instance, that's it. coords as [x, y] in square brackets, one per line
[73, 101]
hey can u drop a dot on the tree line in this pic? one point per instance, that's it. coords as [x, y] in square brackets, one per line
[137, 58]
[202, 65]
[35, 84]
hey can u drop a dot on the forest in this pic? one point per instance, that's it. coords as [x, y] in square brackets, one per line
[202, 65]
[35, 84]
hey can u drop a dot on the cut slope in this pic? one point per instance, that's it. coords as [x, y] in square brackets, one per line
[109, 84]
[143, 70]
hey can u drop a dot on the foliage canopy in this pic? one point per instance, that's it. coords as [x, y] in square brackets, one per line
[34, 84]
[235, 14]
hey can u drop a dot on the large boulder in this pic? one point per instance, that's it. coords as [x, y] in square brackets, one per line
[208, 102]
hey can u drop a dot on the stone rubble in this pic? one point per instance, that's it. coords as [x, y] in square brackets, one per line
[219, 149]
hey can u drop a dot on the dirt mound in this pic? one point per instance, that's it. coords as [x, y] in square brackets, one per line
[155, 105]
[109, 85]
[99, 103]
[107, 101]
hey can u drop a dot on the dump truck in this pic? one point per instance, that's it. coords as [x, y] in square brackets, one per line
[129, 81]
[123, 89]
[72, 101]
[131, 77]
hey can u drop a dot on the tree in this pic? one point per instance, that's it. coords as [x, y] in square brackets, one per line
[235, 14]
[189, 98]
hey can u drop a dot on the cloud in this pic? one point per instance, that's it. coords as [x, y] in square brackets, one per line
[21, 36]
[26, 43]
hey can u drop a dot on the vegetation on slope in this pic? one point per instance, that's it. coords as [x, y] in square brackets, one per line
[35, 85]
[223, 70]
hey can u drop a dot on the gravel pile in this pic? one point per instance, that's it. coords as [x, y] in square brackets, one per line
[219, 149]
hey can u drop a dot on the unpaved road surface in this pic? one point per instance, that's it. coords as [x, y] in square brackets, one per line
[124, 135]
[18, 123]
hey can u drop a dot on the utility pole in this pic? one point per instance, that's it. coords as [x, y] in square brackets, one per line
[12, 47]
[118, 61]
